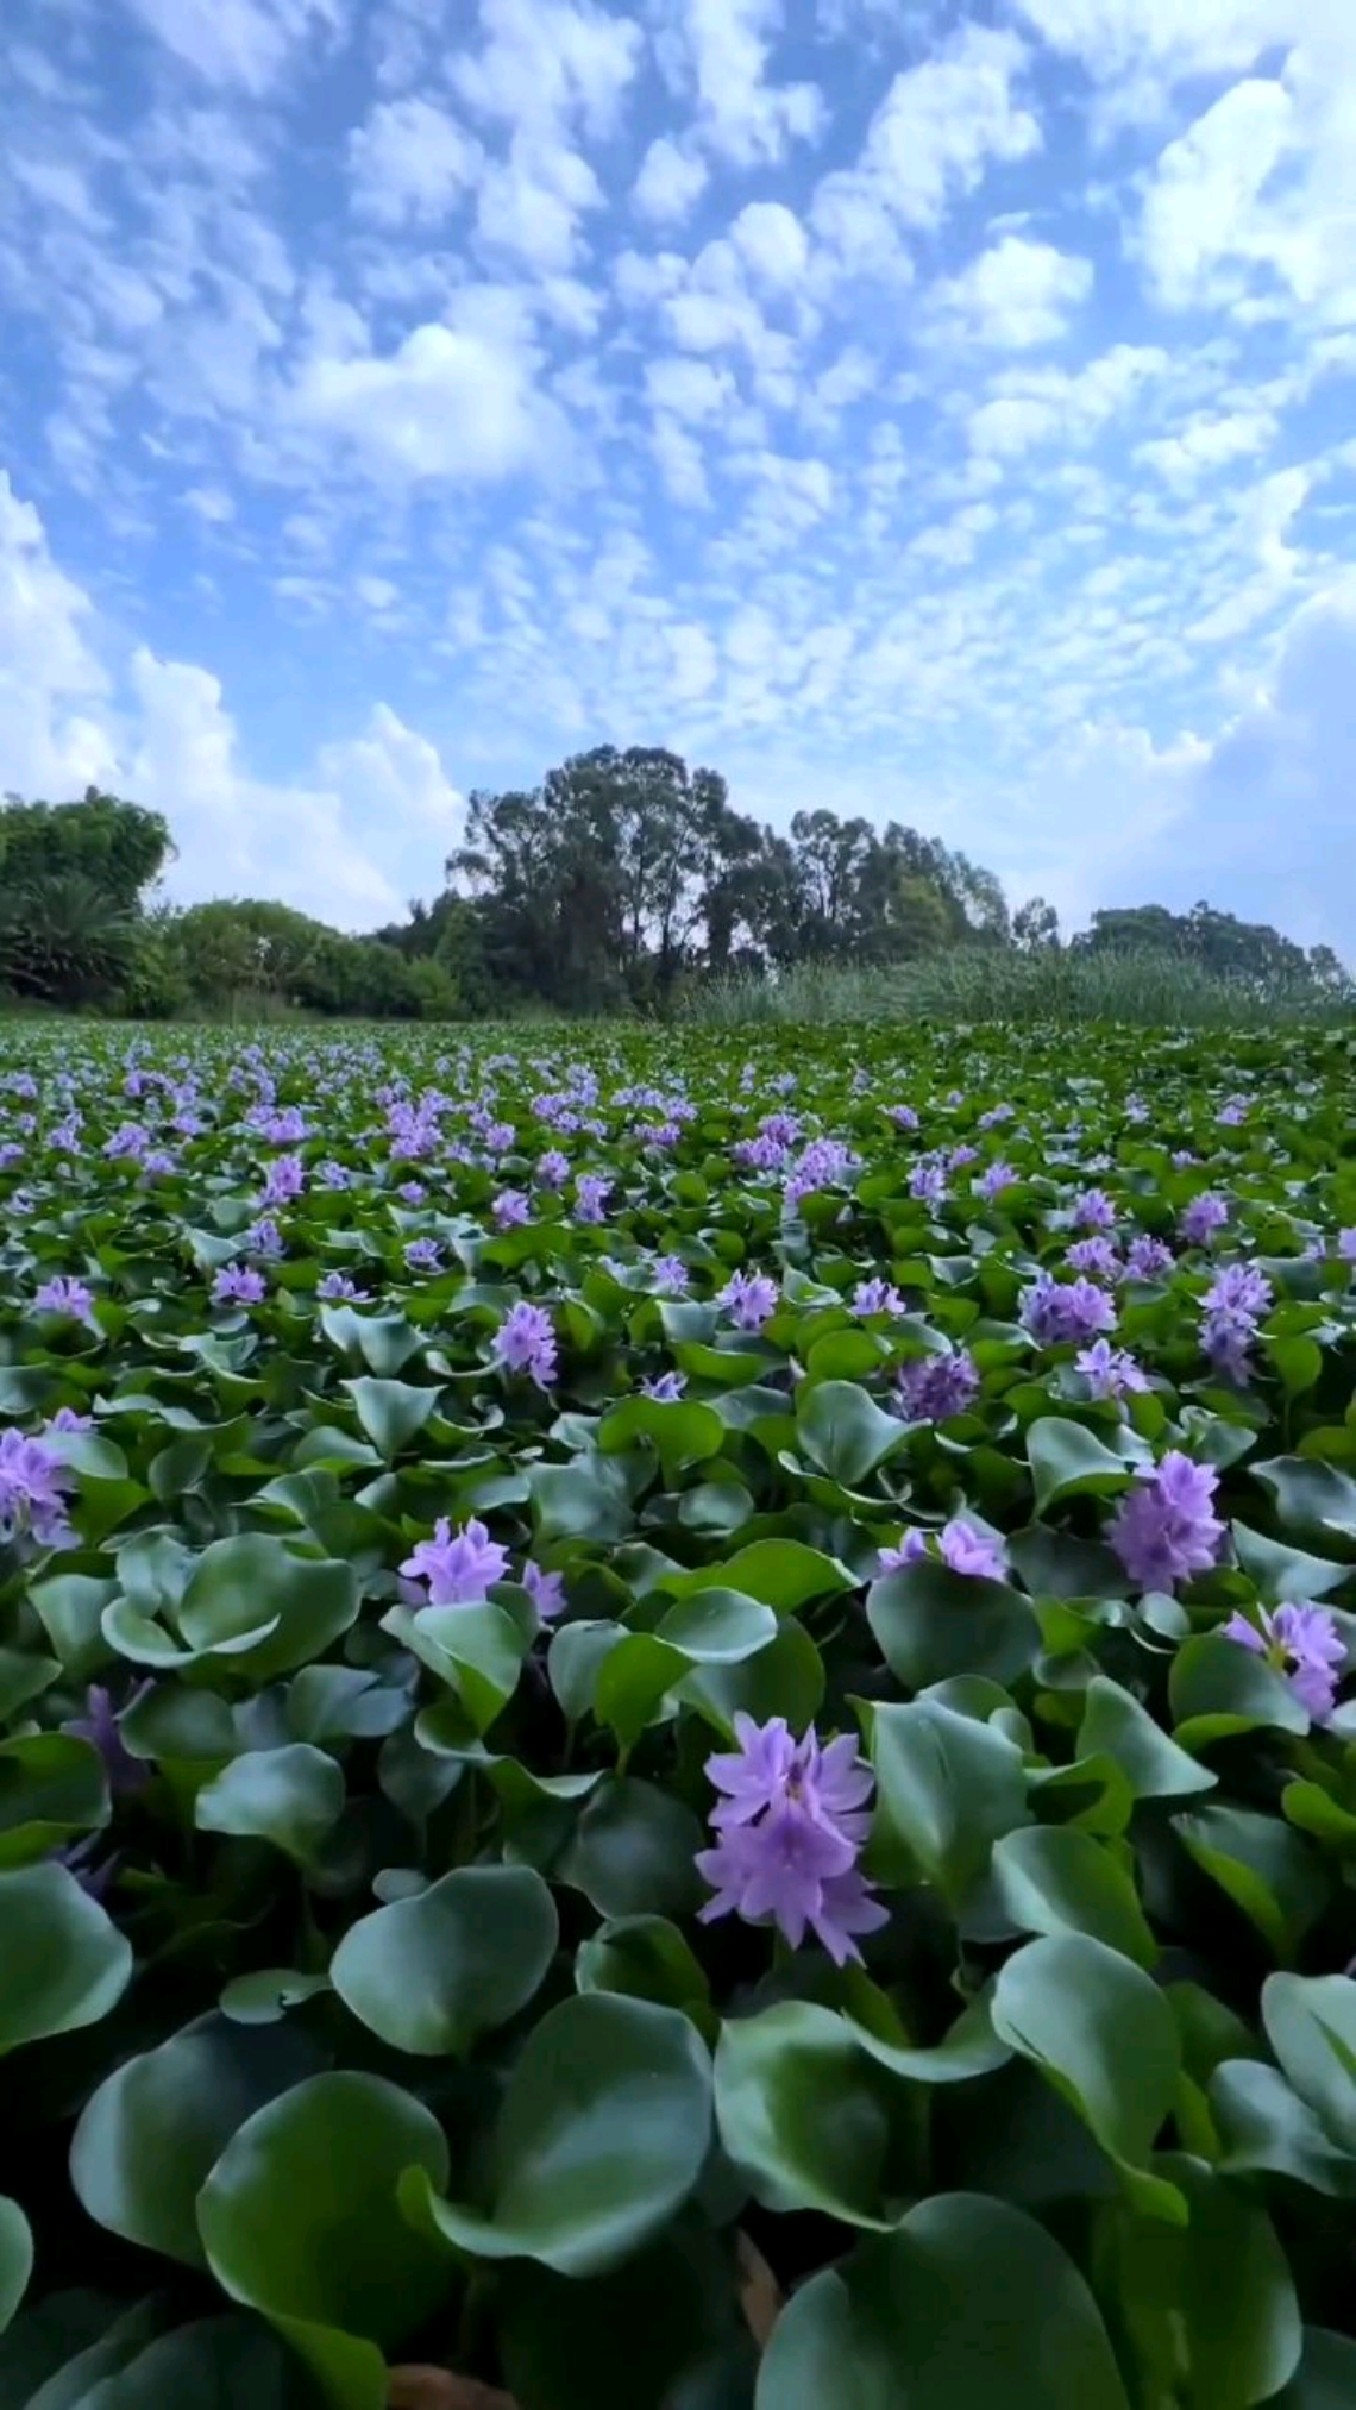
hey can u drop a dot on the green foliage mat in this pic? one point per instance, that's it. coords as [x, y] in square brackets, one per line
[419, 1461]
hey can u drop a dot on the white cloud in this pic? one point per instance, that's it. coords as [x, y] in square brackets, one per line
[410, 162]
[531, 203]
[693, 390]
[1206, 444]
[458, 404]
[548, 63]
[741, 116]
[1016, 295]
[1045, 405]
[670, 183]
[772, 241]
[52, 684]
[248, 43]
[942, 123]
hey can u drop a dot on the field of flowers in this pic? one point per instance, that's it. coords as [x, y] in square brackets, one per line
[675, 1721]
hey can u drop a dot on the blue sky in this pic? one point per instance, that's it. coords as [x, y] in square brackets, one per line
[945, 412]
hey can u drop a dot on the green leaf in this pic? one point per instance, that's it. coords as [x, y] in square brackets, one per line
[16, 2258]
[632, 1682]
[632, 1851]
[587, 1500]
[844, 1432]
[718, 1627]
[1069, 1461]
[1053, 1878]
[1105, 2037]
[65, 1962]
[785, 1574]
[1326, 2376]
[252, 1585]
[52, 1786]
[71, 1606]
[478, 1648]
[1311, 2026]
[1264, 2128]
[602, 2135]
[1282, 1572]
[1217, 1688]
[1115, 1725]
[931, 1624]
[1208, 2305]
[948, 1789]
[430, 1975]
[299, 2221]
[150, 2136]
[1267, 1870]
[292, 1797]
[1313, 1500]
[391, 1413]
[814, 2121]
[214, 2364]
[970, 2304]
[682, 1433]
[786, 1678]
[663, 2329]
[645, 1957]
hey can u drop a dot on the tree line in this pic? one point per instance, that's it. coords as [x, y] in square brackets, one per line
[623, 882]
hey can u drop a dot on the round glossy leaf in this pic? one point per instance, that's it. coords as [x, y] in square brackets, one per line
[948, 1788]
[931, 1624]
[291, 1796]
[638, 2339]
[1116, 1726]
[1311, 2025]
[603, 2134]
[252, 1581]
[645, 1957]
[1271, 1873]
[633, 1849]
[16, 2258]
[718, 1627]
[299, 2220]
[1068, 1461]
[812, 2121]
[1054, 1878]
[1104, 2035]
[844, 1432]
[52, 1787]
[1218, 1688]
[152, 2133]
[65, 1962]
[433, 1973]
[1326, 2376]
[970, 2306]
[392, 1413]
[1209, 2305]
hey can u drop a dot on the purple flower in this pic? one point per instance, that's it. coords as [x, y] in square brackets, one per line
[750, 1299]
[671, 1276]
[1165, 1529]
[823, 1161]
[424, 1255]
[1205, 1215]
[553, 1168]
[666, 1388]
[65, 1295]
[961, 1548]
[876, 1297]
[239, 1284]
[526, 1342]
[1056, 1315]
[460, 1568]
[1148, 1257]
[1239, 1288]
[511, 1209]
[1110, 1372]
[546, 1590]
[100, 1727]
[927, 1183]
[129, 1142]
[933, 1388]
[411, 1192]
[1303, 1643]
[995, 1114]
[264, 1238]
[903, 1117]
[33, 1487]
[1096, 1257]
[1346, 1245]
[335, 1288]
[67, 1419]
[998, 1176]
[284, 1180]
[1092, 1209]
[761, 1154]
[334, 1175]
[591, 1192]
[788, 1831]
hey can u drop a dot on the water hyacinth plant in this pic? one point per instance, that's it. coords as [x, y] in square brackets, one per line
[678, 1720]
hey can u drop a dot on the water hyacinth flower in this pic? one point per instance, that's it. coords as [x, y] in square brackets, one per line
[995, 1178]
[239, 1284]
[750, 1299]
[876, 1297]
[903, 1116]
[1346, 1245]
[1303, 1643]
[336, 1288]
[284, 1180]
[100, 1726]
[1058, 1313]
[1094, 1256]
[553, 1168]
[789, 1828]
[457, 1568]
[546, 1590]
[666, 1388]
[1235, 1299]
[1205, 1215]
[424, 1255]
[65, 1295]
[1093, 1209]
[591, 1192]
[526, 1342]
[34, 1485]
[933, 1388]
[264, 1238]
[511, 1210]
[927, 1183]
[960, 1547]
[671, 1276]
[1110, 1372]
[1165, 1528]
[1147, 1258]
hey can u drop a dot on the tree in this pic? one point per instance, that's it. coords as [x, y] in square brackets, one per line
[1035, 927]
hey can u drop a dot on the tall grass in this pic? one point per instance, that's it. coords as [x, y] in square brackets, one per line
[991, 983]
